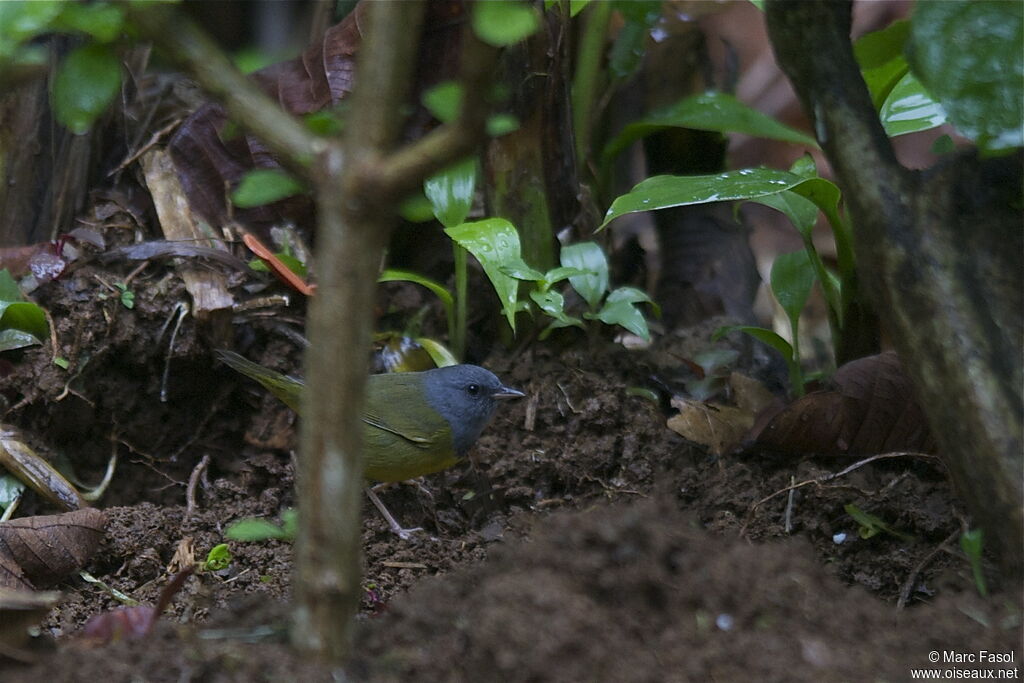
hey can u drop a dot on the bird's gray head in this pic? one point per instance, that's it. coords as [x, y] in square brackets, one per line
[466, 396]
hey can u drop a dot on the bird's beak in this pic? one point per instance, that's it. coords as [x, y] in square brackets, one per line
[506, 393]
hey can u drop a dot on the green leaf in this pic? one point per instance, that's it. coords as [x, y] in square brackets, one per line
[325, 122]
[968, 54]
[22, 21]
[767, 336]
[438, 352]
[628, 49]
[416, 208]
[709, 111]
[495, 243]
[587, 256]
[576, 6]
[86, 82]
[560, 273]
[451, 192]
[800, 211]
[870, 525]
[625, 315]
[971, 544]
[910, 109]
[444, 101]
[218, 558]
[792, 277]
[666, 191]
[396, 275]
[264, 186]
[552, 304]
[99, 20]
[759, 4]
[880, 55]
[501, 124]
[256, 530]
[16, 339]
[10, 489]
[504, 22]
[62, 363]
[942, 145]
[22, 322]
[521, 271]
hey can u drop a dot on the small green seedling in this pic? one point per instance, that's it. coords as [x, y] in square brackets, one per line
[254, 530]
[971, 544]
[871, 525]
[218, 558]
[127, 295]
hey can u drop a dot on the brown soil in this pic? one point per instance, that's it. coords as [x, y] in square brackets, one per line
[584, 542]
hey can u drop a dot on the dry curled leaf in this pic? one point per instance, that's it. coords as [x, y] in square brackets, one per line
[132, 623]
[870, 408]
[719, 427]
[43, 550]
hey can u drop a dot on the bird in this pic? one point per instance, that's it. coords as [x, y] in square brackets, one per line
[414, 423]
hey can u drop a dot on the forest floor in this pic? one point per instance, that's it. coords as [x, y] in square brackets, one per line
[585, 541]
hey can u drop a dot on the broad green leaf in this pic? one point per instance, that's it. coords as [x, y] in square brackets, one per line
[293, 264]
[801, 212]
[101, 21]
[632, 295]
[521, 271]
[22, 323]
[910, 109]
[325, 122]
[16, 339]
[504, 22]
[264, 186]
[792, 277]
[396, 275]
[759, 4]
[451, 192]
[256, 530]
[416, 209]
[709, 111]
[968, 54]
[880, 55]
[666, 191]
[590, 257]
[804, 167]
[9, 290]
[761, 334]
[495, 243]
[624, 314]
[501, 124]
[630, 45]
[444, 101]
[86, 82]
[575, 6]
[560, 273]
[22, 21]
[552, 303]
[438, 352]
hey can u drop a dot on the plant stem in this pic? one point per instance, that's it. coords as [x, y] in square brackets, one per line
[588, 73]
[458, 334]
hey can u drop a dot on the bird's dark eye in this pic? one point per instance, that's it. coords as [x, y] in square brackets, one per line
[473, 389]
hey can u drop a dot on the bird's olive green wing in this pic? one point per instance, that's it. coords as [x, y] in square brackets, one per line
[404, 436]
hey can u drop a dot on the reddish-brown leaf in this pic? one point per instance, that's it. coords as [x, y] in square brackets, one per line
[36, 551]
[870, 408]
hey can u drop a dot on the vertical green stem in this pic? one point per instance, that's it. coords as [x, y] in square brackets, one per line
[588, 73]
[458, 334]
[796, 373]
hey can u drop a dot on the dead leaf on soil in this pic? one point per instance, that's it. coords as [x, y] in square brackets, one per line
[131, 623]
[870, 409]
[43, 550]
[719, 427]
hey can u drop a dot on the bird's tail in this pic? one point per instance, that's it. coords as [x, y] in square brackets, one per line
[287, 389]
